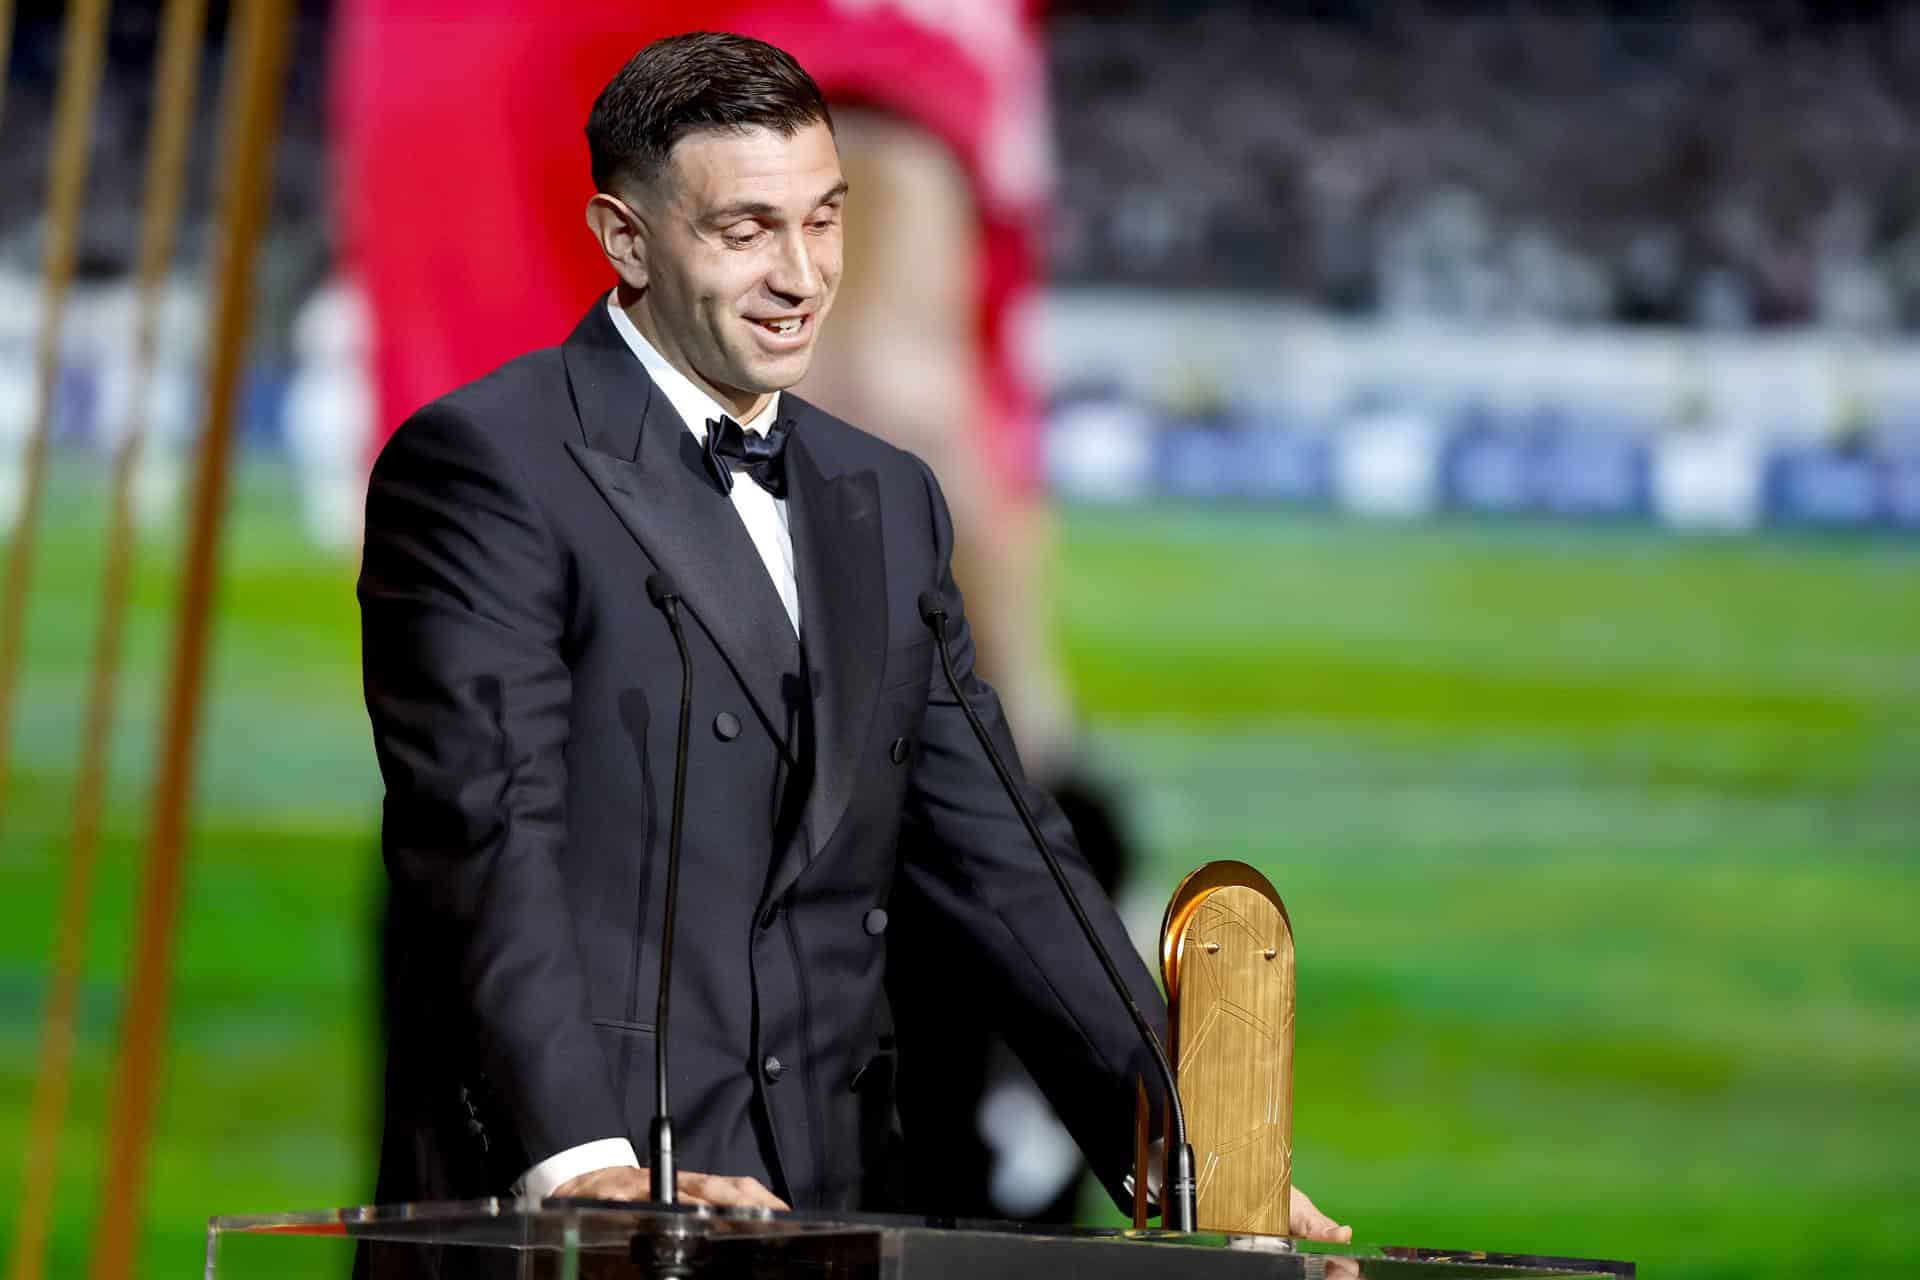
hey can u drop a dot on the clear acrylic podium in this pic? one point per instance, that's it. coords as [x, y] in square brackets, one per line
[589, 1240]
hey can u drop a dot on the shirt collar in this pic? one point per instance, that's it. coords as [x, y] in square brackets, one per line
[695, 407]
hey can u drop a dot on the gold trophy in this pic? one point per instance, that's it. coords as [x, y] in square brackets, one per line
[1226, 956]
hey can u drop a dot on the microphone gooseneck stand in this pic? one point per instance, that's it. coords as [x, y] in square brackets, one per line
[1178, 1198]
[661, 591]
[672, 1242]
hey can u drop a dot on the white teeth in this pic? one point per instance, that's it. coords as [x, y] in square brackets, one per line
[787, 326]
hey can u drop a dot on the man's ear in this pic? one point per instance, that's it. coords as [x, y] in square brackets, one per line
[622, 235]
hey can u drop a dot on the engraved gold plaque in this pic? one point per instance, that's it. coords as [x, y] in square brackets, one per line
[1226, 954]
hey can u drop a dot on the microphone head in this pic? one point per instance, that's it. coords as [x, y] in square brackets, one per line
[932, 606]
[660, 588]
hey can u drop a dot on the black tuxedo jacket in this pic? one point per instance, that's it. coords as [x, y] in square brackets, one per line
[524, 695]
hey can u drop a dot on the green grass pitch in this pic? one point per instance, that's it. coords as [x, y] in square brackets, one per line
[1602, 849]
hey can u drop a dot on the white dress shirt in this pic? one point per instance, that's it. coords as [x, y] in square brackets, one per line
[765, 517]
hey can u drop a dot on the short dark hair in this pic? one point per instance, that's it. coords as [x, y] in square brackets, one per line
[700, 80]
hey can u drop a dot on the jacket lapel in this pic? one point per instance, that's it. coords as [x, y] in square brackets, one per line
[648, 467]
[841, 570]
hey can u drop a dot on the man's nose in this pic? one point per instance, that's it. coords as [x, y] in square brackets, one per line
[795, 274]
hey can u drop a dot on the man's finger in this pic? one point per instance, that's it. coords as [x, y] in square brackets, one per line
[694, 1188]
[605, 1184]
[754, 1192]
[712, 1189]
[1308, 1222]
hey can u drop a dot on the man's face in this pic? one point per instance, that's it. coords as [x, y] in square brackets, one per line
[742, 257]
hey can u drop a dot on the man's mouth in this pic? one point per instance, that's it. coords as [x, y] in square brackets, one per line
[783, 326]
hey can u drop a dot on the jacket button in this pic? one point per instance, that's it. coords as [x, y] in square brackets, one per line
[773, 1068]
[898, 751]
[875, 921]
[726, 726]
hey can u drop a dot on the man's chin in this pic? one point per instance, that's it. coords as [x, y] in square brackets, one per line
[767, 376]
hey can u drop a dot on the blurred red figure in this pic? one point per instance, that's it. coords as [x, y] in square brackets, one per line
[462, 220]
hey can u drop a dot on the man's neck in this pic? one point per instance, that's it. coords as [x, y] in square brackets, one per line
[744, 406]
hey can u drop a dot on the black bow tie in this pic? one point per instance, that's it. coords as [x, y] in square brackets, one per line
[764, 457]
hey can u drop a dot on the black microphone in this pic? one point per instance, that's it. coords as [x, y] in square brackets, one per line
[666, 598]
[1180, 1213]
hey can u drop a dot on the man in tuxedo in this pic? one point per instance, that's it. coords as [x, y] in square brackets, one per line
[524, 691]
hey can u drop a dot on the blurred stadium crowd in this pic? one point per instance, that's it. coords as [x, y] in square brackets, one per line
[1723, 166]
[1609, 260]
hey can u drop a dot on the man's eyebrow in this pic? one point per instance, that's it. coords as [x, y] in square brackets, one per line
[762, 209]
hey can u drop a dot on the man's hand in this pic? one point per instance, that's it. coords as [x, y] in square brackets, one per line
[624, 1182]
[1305, 1220]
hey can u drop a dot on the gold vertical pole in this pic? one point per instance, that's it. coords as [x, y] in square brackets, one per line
[250, 111]
[6, 50]
[177, 76]
[80, 59]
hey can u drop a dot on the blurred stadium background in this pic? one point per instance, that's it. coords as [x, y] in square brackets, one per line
[1488, 444]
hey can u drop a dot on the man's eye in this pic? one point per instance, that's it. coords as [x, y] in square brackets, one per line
[740, 238]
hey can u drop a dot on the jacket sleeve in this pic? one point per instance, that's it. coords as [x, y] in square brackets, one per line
[968, 859]
[462, 597]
